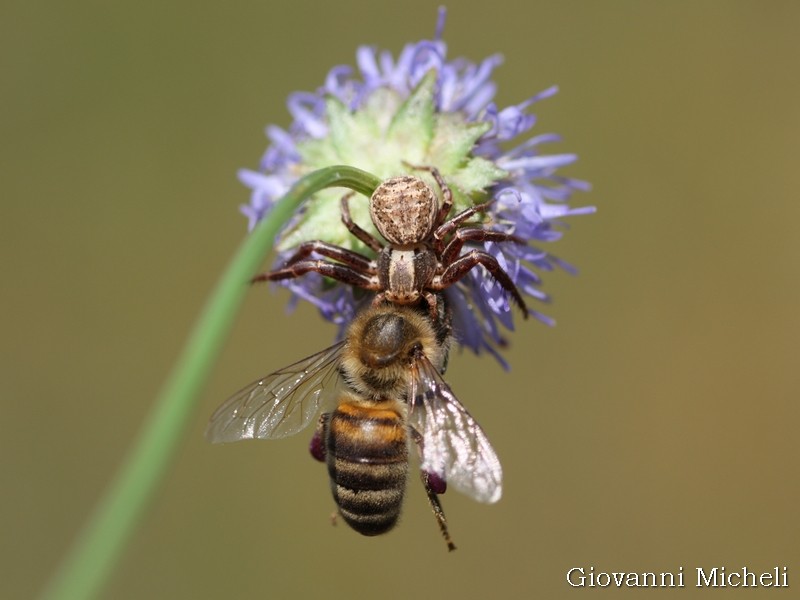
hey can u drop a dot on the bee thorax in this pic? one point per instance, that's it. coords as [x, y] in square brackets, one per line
[384, 339]
[383, 343]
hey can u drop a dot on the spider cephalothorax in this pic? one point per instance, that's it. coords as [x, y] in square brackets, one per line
[422, 253]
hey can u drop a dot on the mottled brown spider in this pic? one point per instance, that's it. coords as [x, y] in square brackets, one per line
[423, 250]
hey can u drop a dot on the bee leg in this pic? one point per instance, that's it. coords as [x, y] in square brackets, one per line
[430, 482]
[434, 485]
[317, 445]
[334, 518]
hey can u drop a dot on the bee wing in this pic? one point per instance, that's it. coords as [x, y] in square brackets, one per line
[280, 404]
[454, 446]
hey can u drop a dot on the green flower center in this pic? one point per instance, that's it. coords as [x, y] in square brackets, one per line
[381, 137]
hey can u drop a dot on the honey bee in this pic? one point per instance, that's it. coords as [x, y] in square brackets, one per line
[385, 379]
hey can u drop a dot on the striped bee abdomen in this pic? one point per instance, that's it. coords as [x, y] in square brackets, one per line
[367, 456]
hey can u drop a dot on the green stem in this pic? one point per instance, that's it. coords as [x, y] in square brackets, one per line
[91, 560]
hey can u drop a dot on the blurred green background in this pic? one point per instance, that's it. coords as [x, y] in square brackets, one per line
[653, 428]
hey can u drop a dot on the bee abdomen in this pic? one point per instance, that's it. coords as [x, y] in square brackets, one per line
[367, 456]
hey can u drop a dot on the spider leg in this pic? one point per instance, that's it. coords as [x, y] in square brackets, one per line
[343, 255]
[379, 299]
[448, 226]
[433, 306]
[461, 266]
[343, 273]
[355, 229]
[474, 234]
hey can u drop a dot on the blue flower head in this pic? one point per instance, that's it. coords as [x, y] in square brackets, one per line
[422, 109]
